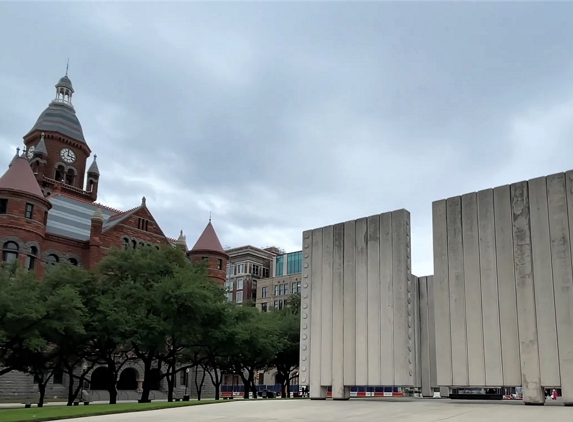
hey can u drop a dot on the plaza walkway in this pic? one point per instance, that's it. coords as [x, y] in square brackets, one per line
[386, 410]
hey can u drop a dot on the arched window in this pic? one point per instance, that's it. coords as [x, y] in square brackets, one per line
[10, 252]
[60, 172]
[70, 177]
[125, 241]
[73, 261]
[134, 244]
[52, 259]
[31, 258]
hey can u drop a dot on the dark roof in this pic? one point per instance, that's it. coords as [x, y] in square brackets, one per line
[208, 241]
[65, 82]
[20, 177]
[60, 118]
[71, 217]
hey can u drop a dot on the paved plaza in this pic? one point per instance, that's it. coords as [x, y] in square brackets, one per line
[386, 410]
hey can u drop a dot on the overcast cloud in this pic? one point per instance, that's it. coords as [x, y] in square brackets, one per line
[281, 117]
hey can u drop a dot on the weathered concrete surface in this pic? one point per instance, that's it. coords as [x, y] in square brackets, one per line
[389, 410]
[359, 322]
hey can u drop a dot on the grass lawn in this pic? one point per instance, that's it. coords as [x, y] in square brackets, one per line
[55, 413]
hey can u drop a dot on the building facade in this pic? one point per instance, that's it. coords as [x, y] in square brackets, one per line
[247, 265]
[273, 292]
[49, 215]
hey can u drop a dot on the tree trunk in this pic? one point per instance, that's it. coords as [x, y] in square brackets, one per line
[170, 383]
[111, 382]
[42, 390]
[216, 380]
[288, 389]
[252, 385]
[146, 388]
[199, 386]
[71, 395]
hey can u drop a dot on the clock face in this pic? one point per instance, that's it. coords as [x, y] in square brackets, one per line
[31, 152]
[68, 155]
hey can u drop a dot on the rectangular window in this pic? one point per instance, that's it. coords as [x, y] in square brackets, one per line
[230, 296]
[276, 304]
[205, 258]
[220, 264]
[264, 292]
[45, 217]
[58, 376]
[239, 297]
[230, 269]
[240, 284]
[255, 270]
[3, 206]
[266, 273]
[240, 268]
[264, 306]
[183, 379]
[296, 287]
[294, 263]
[279, 263]
[29, 211]
[276, 290]
[229, 285]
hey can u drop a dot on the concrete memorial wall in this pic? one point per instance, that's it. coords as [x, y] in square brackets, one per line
[503, 288]
[359, 306]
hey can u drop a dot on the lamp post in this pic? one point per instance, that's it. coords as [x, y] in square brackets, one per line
[186, 396]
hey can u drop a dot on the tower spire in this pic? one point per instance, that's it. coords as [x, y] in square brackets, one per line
[209, 216]
[67, 66]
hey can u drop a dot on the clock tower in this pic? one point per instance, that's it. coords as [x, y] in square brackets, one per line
[57, 150]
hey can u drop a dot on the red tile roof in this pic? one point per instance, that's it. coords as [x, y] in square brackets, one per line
[208, 241]
[21, 178]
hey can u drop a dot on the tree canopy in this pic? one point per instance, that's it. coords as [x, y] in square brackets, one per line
[146, 304]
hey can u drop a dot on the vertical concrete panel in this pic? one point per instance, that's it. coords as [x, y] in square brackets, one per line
[349, 303]
[543, 281]
[528, 340]
[316, 389]
[431, 332]
[441, 294]
[412, 291]
[457, 293]
[387, 302]
[362, 302]
[338, 390]
[306, 309]
[472, 283]
[490, 296]
[427, 390]
[402, 347]
[417, 333]
[326, 319]
[374, 300]
[506, 287]
[560, 202]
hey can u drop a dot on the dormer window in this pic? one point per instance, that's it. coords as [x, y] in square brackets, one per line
[143, 224]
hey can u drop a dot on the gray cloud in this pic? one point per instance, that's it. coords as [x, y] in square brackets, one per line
[280, 117]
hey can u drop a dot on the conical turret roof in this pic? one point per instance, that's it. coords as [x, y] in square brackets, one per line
[209, 241]
[19, 177]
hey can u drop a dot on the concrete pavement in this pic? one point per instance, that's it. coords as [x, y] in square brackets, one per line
[387, 410]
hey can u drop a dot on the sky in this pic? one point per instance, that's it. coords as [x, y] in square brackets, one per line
[280, 117]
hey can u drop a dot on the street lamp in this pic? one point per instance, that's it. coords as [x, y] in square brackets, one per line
[186, 396]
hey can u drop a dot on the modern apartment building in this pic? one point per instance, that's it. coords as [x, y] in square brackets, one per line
[247, 265]
[285, 280]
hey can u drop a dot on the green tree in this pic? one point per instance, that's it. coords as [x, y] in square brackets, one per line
[21, 311]
[288, 351]
[168, 299]
[55, 311]
[256, 341]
